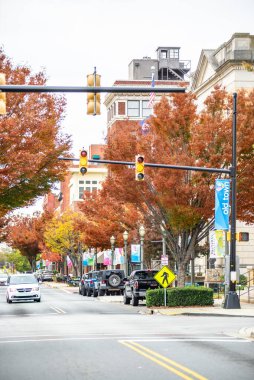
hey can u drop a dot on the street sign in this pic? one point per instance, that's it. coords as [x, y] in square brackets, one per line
[164, 259]
[165, 277]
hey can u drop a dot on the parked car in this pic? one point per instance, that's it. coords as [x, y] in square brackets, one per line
[136, 286]
[46, 275]
[110, 281]
[3, 279]
[82, 284]
[22, 287]
[74, 281]
[91, 283]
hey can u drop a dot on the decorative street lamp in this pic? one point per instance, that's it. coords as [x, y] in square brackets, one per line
[112, 241]
[125, 238]
[142, 234]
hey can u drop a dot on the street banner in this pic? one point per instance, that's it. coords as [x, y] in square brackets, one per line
[222, 195]
[135, 253]
[118, 256]
[85, 259]
[217, 244]
[90, 259]
[107, 257]
[69, 263]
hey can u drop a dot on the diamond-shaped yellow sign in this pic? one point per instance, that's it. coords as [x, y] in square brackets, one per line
[165, 277]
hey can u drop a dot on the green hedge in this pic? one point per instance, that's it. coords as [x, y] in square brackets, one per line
[189, 296]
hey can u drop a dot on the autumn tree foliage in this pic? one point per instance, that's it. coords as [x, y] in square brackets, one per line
[62, 237]
[25, 234]
[181, 201]
[104, 216]
[30, 140]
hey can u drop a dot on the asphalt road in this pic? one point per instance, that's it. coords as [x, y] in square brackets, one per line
[71, 337]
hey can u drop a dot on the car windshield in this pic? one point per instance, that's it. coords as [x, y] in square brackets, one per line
[16, 280]
[145, 275]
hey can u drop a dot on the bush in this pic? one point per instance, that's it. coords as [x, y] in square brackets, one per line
[189, 296]
[243, 280]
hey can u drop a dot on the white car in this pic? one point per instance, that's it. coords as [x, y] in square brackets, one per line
[3, 278]
[22, 287]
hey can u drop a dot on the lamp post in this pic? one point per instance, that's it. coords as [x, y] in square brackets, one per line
[112, 241]
[125, 239]
[142, 234]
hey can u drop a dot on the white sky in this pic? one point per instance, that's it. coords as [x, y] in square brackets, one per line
[68, 38]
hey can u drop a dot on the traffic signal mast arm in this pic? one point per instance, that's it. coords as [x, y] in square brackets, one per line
[24, 88]
[176, 167]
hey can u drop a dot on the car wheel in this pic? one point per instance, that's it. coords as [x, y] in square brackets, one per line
[83, 292]
[101, 292]
[126, 300]
[8, 300]
[88, 293]
[134, 300]
[79, 290]
[39, 300]
[95, 293]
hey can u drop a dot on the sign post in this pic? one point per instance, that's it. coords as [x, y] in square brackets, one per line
[165, 277]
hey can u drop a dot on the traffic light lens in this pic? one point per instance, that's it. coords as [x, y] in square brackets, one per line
[140, 160]
[140, 176]
[83, 170]
[83, 153]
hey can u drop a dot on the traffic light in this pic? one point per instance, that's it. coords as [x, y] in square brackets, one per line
[93, 100]
[83, 162]
[139, 168]
[2, 96]
[239, 236]
[243, 236]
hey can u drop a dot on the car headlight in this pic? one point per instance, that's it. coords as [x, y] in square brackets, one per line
[36, 288]
[12, 289]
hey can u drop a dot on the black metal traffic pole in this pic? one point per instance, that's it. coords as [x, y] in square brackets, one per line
[232, 299]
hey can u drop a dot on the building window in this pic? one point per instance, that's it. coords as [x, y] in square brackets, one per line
[146, 111]
[81, 182]
[88, 182]
[121, 108]
[133, 108]
[173, 53]
[164, 54]
[94, 182]
[88, 189]
[81, 192]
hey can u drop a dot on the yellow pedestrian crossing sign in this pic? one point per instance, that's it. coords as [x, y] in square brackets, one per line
[165, 277]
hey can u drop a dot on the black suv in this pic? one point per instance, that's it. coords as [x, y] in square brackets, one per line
[110, 281]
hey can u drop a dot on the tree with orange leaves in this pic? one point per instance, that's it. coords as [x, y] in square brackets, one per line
[180, 201]
[31, 140]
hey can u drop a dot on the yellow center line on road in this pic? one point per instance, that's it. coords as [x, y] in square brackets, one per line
[152, 355]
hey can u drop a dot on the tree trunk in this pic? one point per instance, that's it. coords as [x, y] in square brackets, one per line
[181, 275]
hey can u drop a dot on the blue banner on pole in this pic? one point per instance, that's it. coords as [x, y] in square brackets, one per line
[222, 196]
[135, 253]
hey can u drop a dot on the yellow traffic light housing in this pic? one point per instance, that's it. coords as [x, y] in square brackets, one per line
[83, 162]
[139, 168]
[2, 96]
[93, 100]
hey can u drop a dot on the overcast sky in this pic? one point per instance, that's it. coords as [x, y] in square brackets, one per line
[67, 38]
